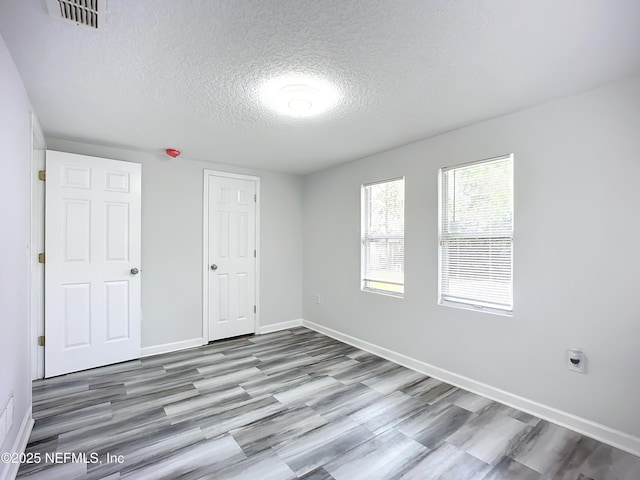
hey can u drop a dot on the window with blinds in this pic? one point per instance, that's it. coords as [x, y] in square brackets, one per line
[383, 237]
[476, 235]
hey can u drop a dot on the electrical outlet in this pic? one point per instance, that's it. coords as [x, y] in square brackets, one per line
[576, 360]
[318, 298]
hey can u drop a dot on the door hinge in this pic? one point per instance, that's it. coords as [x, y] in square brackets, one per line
[42, 175]
[41, 258]
[254, 254]
[41, 340]
[255, 309]
[255, 197]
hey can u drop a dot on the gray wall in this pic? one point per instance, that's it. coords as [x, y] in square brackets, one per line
[576, 258]
[577, 165]
[172, 260]
[15, 138]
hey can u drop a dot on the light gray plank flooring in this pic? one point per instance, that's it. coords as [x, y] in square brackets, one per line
[295, 404]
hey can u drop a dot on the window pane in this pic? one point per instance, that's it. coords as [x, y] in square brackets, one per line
[479, 198]
[386, 208]
[385, 259]
[383, 237]
[476, 234]
[477, 270]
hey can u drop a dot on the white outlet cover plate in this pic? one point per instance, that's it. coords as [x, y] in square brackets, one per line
[580, 368]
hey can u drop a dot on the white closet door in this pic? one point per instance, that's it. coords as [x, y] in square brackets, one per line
[232, 261]
[92, 269]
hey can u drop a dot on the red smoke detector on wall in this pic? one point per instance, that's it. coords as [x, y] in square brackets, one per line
[172, 152]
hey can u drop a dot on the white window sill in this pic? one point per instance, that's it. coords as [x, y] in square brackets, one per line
[476, 308]
[386, 293]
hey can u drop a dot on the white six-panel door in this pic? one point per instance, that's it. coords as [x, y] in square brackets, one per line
[231, 256]
[92, 269]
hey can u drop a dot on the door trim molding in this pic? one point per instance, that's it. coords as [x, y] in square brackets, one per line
[205, 246]
[36, 271]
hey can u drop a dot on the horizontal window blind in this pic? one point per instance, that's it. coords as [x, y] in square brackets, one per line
[383, 237]
[476, 234]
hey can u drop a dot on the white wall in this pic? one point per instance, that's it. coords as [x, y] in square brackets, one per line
[576, 266]
[15, 138]
[172, 242]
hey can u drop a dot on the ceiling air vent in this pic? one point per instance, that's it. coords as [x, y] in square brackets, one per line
[81, 12]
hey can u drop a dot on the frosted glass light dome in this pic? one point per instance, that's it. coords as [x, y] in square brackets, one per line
[299, 96]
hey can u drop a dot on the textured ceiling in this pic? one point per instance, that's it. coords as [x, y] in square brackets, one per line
[187, 73]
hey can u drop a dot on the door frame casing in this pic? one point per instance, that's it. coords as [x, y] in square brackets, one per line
[36, 246]
[205, 247]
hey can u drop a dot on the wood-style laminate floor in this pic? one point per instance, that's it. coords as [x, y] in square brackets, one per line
[295, 404]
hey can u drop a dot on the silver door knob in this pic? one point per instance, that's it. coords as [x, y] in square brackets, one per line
[135, 271]
[214, 267]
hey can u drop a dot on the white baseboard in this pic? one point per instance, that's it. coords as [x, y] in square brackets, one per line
[196, 342]
[276, 327]
[19, 446]
[171, 347]
[597, 431]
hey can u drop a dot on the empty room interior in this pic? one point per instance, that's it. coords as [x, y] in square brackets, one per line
[330, 239]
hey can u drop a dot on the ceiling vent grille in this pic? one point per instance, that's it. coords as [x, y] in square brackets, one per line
[82, 12]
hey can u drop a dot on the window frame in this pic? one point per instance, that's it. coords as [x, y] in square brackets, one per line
[364, 218]
[475, 305]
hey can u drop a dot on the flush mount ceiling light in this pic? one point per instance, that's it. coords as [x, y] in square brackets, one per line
[299, 96]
